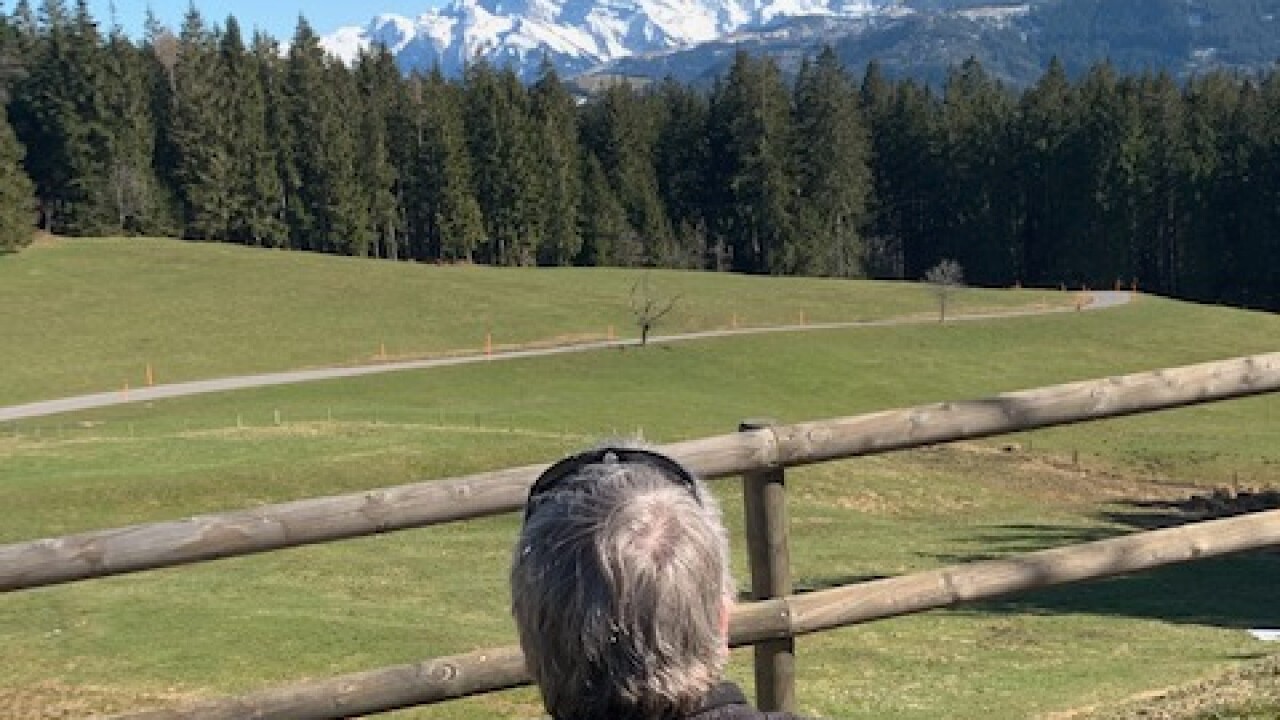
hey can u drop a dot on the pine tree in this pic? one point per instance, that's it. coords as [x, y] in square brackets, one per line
[1162, 212]
[1047, 169]
[270, 154]
[1108, 145]
[907, 177]
[455, 224]
[608, 238]
[59, 115]
[500, 139]
[201, 132]
[752, 144]
[833, 171]
[620, 128]
[17, 203]
[556, 132]
[1257, 280]
[681, 164]
[977, 218]
[17, 193]
[377, 82]
[136, 194]
[324, 212]
[351, 210]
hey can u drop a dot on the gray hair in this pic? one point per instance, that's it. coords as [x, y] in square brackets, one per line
[618, 585]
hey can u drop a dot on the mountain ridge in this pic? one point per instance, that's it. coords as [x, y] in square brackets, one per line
[693, 40]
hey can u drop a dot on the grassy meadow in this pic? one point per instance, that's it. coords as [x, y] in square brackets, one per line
[81, 314]
[89, 316]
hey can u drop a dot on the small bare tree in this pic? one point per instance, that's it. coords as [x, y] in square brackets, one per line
[945, 279]
[647, 308]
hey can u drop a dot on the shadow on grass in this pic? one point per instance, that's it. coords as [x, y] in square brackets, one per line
[1238, 591]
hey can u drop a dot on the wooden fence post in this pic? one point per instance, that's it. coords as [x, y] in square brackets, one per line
[765, 504]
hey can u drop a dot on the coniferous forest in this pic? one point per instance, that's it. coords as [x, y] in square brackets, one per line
[209, 135]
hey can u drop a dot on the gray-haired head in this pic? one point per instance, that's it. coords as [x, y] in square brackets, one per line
[619, 582]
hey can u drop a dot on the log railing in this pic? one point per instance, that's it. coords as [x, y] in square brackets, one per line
[754, 623]
[759, 452]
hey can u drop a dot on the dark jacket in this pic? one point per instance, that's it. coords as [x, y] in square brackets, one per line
[726, 702]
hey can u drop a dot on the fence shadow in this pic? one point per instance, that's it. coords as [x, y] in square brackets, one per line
[1241, 591]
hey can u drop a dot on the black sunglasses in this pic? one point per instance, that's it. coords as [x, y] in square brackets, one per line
[562, 469]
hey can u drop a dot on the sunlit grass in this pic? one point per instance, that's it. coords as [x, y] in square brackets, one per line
[87, 315]
[240, 624]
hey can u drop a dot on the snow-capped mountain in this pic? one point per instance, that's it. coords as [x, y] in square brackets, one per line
[695, 40]
[575, 34]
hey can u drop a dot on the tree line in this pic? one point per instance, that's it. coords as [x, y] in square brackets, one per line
[208, 135]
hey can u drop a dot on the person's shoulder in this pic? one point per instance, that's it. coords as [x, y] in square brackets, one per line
[727, 702]
[746, 712]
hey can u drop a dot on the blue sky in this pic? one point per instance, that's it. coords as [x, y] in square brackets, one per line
[277, 17]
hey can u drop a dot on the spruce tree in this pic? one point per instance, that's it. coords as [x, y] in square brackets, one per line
[833, 171]
[59, 114]
[17, 194]
[604, 221]
[444, 210]
[17, 202]
[681, 164]
[753, 144]
[201, 132]
[500, 138]
[556, 141]
[324, 213]
[377, 83]
[136, 194]
[272, 169]
[976, 217]
[1108, 144]
[908, 177]
[244, 118]
[1161, 212]
[1047, 169]
[621, 129]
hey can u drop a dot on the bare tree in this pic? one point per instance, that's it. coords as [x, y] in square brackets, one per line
[945, 279]
[647, 307]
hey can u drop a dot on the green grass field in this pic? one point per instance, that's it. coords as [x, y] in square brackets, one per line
[89, 316]
[239, 624]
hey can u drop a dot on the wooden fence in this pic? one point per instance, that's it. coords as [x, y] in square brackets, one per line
[760, 452]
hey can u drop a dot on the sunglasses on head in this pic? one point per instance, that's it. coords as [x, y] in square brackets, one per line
[554, 475]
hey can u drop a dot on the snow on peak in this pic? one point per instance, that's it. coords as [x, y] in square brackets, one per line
[574, 34]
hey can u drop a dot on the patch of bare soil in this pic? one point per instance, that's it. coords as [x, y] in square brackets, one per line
[1061, 479]
[1251, 692]
[44, 239]
[53, 700]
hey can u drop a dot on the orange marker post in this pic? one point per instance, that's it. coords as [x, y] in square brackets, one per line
[488, 343]
[151, 377]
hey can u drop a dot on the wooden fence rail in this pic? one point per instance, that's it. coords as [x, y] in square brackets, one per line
[142, 547]
[483, 671]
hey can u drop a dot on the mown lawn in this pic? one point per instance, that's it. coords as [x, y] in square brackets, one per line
[239, 624]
